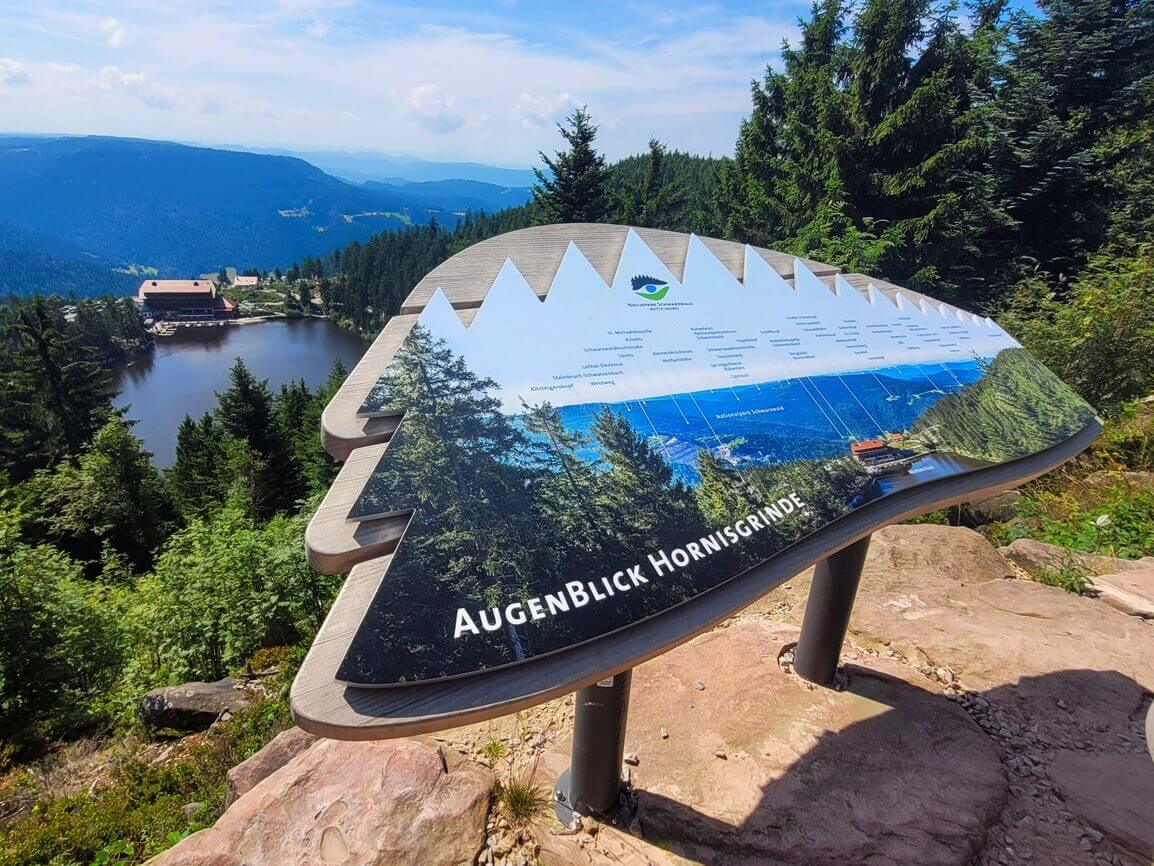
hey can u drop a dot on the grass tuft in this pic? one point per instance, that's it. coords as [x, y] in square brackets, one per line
[494, 750]
[520, 800]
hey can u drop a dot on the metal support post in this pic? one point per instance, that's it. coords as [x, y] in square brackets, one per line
[831, 597]
[592, 784]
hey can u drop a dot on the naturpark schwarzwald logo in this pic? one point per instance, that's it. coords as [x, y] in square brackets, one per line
[650, 288]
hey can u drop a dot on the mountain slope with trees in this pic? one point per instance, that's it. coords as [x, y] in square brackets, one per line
[74, 209]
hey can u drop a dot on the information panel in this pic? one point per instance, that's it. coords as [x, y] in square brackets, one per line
[575, 465]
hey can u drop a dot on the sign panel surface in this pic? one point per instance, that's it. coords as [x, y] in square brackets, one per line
[578, 464]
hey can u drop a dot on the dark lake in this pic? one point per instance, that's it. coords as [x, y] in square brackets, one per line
[180, 377]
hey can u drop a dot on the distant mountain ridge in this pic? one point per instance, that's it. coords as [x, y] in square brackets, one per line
[74, 211]
[361, 166]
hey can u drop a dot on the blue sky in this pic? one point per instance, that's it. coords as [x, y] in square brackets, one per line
[483, 81]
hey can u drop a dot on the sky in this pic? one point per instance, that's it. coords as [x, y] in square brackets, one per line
[483, 81]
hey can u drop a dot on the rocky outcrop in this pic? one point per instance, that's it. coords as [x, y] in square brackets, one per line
[1035, 556]
[392, 803]
[1131, 592]
[986, 720]
[759, 768]
[1040, 670]
[193, 706]
[1113, 795]
[283, 748]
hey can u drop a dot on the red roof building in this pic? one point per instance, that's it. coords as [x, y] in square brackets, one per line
[184, 299]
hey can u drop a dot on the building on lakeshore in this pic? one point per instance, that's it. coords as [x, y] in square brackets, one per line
[183, 300]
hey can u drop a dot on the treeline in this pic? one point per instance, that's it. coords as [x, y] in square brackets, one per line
[953, 158]
[991, 161]
[116, 577]
[21, 269]
[364, 284]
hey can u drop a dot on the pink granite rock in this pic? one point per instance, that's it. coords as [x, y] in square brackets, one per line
[283, 748]
[390, 803]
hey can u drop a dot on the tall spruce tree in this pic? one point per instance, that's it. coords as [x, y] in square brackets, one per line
[245, 410]
[1075, 112]
[199, 478]
[656, 201]
[56, 389]
[112, 494]
[785, 179]
[869, 150]
[574, 189]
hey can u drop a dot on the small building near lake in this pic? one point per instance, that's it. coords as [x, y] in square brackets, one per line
[184, 300]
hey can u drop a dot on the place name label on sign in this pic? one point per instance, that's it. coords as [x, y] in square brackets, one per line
[577, 593]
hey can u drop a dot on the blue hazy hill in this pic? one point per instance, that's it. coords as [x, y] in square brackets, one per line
[111, 202]
[455, 195]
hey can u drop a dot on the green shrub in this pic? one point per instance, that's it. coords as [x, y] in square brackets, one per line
[1127, 441]
[1097, 334]
[1069, 577]
[1113, 521]
[223, 588]
[59, 640]
[140, 811]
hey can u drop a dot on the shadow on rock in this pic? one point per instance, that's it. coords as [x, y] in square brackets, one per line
[1052, 769]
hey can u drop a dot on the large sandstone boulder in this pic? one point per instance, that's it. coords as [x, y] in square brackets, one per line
[759, 768]
[393, 803]
[942, 597]
[283, 748]
[1035, 556]
[1113, 794]
[193, 706]
[1045, 671]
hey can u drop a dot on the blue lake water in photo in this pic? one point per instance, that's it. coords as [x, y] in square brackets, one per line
[183, 373]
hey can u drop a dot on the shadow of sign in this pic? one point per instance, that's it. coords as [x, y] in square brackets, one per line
[1037, 766]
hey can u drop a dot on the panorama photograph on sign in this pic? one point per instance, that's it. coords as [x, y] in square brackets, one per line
[578, 464]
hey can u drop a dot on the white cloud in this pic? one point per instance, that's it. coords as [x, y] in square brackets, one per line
[537, 112]
[112, 76]
[115, 33]
[434, 109]
[319, 29]
[51, 81]
[13, 71]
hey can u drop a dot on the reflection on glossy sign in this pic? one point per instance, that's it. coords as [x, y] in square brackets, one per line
[575, 465]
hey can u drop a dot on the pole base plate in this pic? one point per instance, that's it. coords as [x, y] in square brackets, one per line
[562, 807]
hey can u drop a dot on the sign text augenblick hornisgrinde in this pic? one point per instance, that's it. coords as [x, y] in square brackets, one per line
[578, 593]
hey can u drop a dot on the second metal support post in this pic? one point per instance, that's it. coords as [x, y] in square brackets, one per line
[831, 597]
[592, 784]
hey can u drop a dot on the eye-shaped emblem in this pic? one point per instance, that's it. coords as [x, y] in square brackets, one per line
[650, 288]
